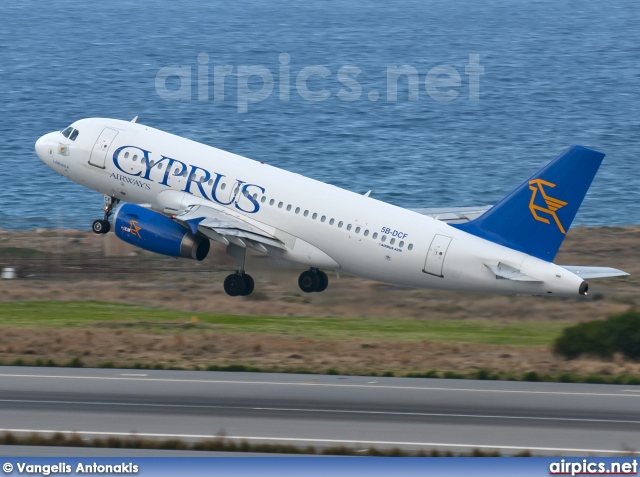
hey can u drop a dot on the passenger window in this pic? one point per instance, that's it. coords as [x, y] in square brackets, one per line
[264, 199]
[288, 207]
[126, 155]
[210, 182]
[375, 235]
[160, 166]
[340, 224]
[366, 233]
[410, 247]
[332, 221]
[324, 217]
[384, 238]
[392, 241]
[297, 210]
[74, 134]
[151, 164]
[245, 193]
[271, 202]
[135, 157]
[314, 216]
[67, 131]
[280, 204]
[349, 227]
[223, 186]
[255, 195]
[401, 244]
[357, 230]
[176, 172]
[306, 213]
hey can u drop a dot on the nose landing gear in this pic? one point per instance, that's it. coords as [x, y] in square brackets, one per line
[104, 226]
[313, 280]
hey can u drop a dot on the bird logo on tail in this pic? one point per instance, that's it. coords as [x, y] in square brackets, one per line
[552, 205]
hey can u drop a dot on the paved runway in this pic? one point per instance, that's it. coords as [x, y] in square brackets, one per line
[361, 412]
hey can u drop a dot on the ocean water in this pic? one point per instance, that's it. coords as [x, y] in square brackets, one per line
[555, 74]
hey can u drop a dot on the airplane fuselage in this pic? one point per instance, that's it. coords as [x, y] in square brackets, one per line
[321, 225]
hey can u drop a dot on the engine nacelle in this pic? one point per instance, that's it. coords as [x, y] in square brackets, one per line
[156, 233]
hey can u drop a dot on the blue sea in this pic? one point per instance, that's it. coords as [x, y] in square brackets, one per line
[493, 91]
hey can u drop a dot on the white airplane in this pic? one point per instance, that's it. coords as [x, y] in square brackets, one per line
[171, 196]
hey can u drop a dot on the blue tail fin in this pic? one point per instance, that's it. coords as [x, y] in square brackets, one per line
[535, 217]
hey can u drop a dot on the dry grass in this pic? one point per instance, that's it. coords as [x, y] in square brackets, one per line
[126, 348]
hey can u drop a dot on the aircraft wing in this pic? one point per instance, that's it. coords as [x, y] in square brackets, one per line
[454, 215]
[223, 227]
[594, 272]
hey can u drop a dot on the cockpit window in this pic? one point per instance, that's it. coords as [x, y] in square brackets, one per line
[67, 131]
[74, 134]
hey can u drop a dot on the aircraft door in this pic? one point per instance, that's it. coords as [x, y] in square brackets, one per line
[436, 255]
[100, 148]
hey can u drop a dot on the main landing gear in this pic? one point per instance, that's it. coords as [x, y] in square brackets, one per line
[313, 280]
[239, 283]
[104, 226]
[242, 284]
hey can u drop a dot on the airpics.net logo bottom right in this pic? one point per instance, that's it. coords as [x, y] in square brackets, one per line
[594, 467]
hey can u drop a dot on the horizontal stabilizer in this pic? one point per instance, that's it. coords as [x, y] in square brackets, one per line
[454, 215]
[505, 272]
[595, 272]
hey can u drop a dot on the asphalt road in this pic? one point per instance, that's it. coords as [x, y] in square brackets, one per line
[360, 412]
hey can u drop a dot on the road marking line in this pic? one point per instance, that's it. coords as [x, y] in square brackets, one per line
[311, 384]
[326, 441]
[337, 411]
[132, 374]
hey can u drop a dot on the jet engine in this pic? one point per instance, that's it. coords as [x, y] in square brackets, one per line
[156, 233]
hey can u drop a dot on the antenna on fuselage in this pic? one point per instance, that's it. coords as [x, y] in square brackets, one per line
[134, 119]
[367, 194]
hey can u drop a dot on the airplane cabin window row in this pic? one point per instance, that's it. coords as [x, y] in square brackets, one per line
[332, 221]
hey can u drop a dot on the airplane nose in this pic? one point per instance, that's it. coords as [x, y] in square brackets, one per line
[41, 148]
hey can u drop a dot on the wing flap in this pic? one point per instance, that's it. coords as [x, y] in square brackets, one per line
[229, 228]
[594, 272]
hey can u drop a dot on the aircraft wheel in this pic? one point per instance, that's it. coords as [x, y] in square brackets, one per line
[323, 281]
[308, 281]
[234, 285]
[101, 226]
[248, 285]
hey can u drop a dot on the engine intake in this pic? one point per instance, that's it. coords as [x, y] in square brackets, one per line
[156, 233]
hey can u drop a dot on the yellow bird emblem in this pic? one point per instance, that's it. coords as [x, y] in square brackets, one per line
[552, 205]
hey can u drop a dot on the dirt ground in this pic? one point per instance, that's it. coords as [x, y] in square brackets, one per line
[72, 265]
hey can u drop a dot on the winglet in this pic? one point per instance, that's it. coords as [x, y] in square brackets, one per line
[193, 224]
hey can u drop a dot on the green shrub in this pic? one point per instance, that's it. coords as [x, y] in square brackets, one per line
[617, 334]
